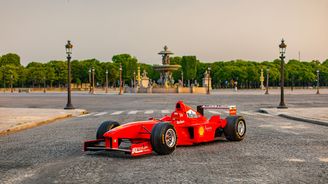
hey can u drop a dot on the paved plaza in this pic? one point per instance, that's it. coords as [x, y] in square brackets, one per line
[275, 150]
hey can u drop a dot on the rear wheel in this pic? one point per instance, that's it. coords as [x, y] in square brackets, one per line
[104, 127]
[235, 130]
[163, 138]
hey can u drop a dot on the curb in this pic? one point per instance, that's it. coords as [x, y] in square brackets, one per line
[25, 126]
[313, 121]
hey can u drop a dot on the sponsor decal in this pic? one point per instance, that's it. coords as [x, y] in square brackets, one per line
[208, 128]
[180, 122]
[201, 131]
[139, 149]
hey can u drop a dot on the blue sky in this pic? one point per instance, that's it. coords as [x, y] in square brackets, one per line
[213, 30]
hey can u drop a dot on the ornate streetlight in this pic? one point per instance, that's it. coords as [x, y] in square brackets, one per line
[69, 47]
[267, 82]
[208, 80]
[106, 81]
[182, 77]
[93, 80]
[134, 79]
[44, 84]
[11, 83]
[89, 80]
[292, 88]
[318, 83]
[120, 93]
[282, 48]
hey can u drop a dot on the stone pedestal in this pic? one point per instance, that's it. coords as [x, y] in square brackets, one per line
[206, 80]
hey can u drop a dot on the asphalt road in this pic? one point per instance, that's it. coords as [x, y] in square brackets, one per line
[276, 150]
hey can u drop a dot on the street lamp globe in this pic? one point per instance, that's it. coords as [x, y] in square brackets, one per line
[318, 71]
[69, 47]
[106, 71]
[282, 47]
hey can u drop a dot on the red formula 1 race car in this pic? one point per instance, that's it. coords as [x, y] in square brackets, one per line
[185, 126]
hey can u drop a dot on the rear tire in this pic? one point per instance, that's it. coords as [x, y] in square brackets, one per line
[235, 130]
[104, 127]
[163, 138]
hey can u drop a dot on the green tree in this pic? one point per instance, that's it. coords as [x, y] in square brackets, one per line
[189, 67]
[129, 65]
[10, 58]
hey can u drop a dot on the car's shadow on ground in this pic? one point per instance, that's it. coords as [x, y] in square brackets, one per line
[122, 155]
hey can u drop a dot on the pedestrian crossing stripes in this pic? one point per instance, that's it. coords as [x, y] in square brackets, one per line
[214, 112]
[149, 112]
[101, 113]
[133, 112]
[166, 111]
[117, 112]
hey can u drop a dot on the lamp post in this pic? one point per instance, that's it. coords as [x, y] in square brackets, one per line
[44, 84]
[292, 88]
[182, 77]
[4, 82]
[282, 48]
[89, 80]
[134, 79]
[120, 93]
[106, 81]
[208, 80]
[318, 83]
[267, 82]
[69, 47]
[93, 80]
[11, 83]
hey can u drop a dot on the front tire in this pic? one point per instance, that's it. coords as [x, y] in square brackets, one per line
[163, 138]
[104, 127]
[235, 130]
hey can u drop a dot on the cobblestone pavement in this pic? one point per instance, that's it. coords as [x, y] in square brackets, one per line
[276, 150]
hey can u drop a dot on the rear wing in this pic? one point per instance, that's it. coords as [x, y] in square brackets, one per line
[232, 108]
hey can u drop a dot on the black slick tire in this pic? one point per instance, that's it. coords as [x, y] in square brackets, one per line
[163, 138]
[104, 127]
[231, 131]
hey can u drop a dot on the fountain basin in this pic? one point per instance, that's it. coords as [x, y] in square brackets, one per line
[166, 68]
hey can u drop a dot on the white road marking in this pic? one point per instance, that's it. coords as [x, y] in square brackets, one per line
[295, 160]
[323, 159]
[133, 112]
[85, 115]
[117, 113]
[149, 112]
[101, 113]
[214, 112]
[165, 111]
[265, 126]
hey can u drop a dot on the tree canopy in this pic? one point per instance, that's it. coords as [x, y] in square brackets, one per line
[247, 73]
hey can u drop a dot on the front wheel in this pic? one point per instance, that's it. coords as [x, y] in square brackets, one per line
[104, 127]
[163, 138]
[235, 130]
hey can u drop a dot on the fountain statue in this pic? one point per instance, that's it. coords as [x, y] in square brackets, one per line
[166, 79]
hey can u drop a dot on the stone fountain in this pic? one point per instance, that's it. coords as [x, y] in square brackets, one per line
[166, 69]
[166, 83]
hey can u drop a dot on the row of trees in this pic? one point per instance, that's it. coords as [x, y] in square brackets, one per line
[223, 73]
